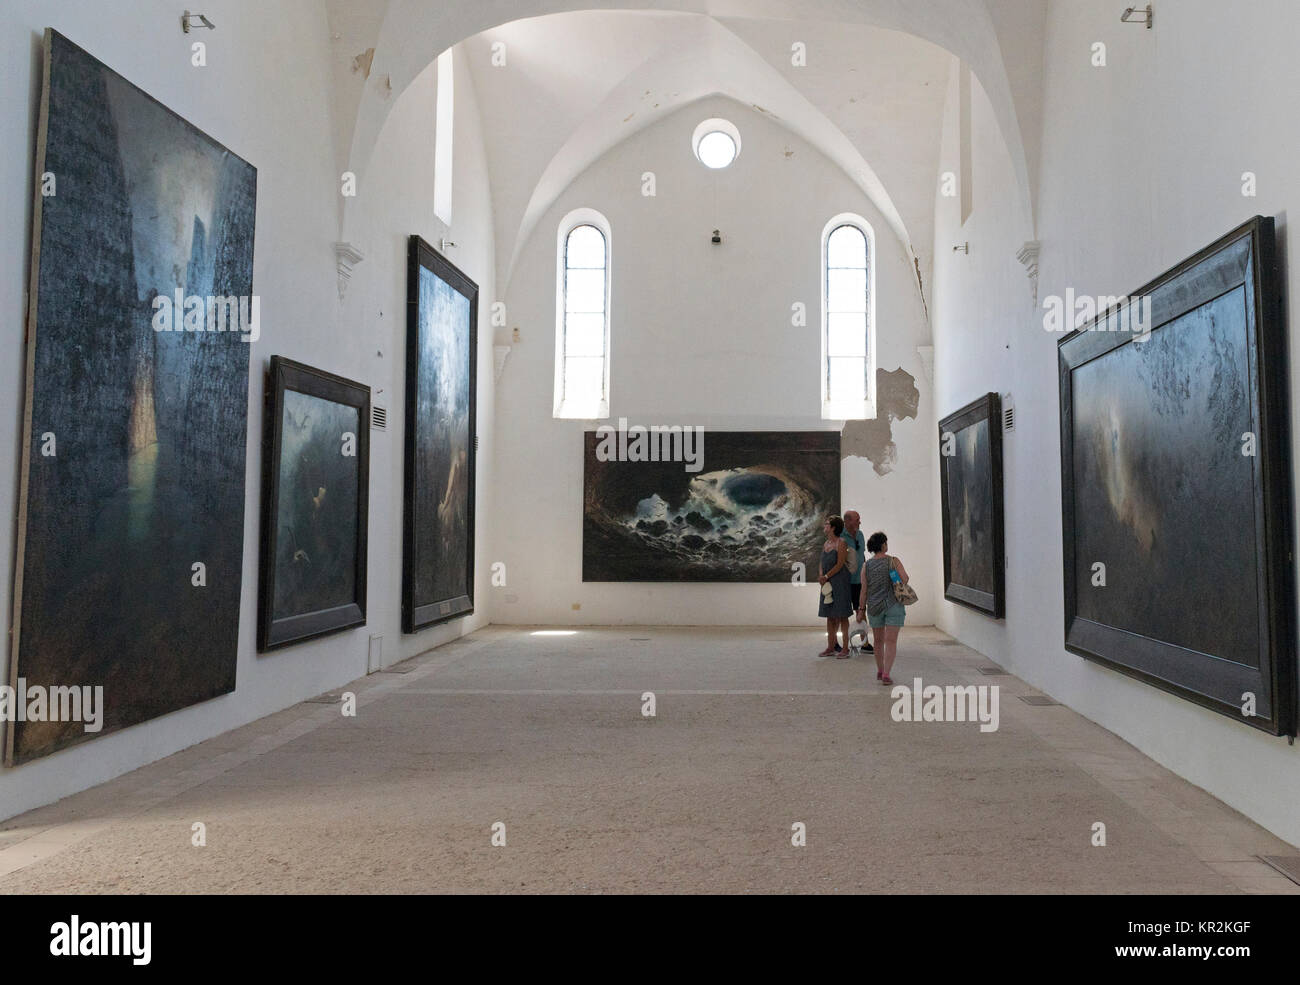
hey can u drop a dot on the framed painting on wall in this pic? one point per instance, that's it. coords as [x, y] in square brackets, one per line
[316, 479]
[441, 388]
[131, 500]
[970, 483]
[721, 506]
[1175, 481]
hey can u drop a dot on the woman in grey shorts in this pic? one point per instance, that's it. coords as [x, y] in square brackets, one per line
[879, 572]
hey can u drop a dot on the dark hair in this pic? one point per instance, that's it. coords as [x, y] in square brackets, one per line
[837, 524]
[876, 541]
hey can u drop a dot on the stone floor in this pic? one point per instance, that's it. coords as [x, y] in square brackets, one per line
[545, 734]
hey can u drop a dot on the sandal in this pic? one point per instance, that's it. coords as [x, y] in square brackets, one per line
[843, 655]
[828, 652]
[886, 680]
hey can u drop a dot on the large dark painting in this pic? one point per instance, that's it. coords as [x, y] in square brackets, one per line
[314, 504]
[441, 335]
[1176, 486]
[131, 516]
[970, 480]
[711, 506]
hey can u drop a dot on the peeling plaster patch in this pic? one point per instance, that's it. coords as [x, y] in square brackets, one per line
[896, 397]
[788, 153]
[385, 86]
[362, 63]
[628, 117]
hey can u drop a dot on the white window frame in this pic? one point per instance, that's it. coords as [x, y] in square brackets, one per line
[839, 410]
[566, 405]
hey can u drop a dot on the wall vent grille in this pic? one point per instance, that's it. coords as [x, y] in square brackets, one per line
[378, 418]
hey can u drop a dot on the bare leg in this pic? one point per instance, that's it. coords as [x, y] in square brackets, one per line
[830, 633]
[879, 633]
[843, 625]
[891, 645]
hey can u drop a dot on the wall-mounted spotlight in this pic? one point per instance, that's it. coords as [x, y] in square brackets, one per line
[964, 248]
[189, 20]
[717, 237]
[445, 244]
[1146, 17]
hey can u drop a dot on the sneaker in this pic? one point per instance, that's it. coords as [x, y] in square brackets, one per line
[869, 649]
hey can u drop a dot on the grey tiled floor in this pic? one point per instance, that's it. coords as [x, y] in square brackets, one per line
[545, 735]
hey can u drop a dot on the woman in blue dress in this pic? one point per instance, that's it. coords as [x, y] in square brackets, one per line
[837, 602]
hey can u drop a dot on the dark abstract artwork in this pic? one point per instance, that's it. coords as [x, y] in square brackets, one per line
[314, 505]
[1176, 486]
[438, 555]
[132, 497]
[750, 508]
[970, 480]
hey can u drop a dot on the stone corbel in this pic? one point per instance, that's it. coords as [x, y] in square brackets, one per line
[1028, 256]
[348, 256]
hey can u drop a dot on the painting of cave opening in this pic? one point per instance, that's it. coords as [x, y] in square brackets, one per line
[316, 464]
[1175, 482]
[131, 500]
[683, 504]
[970, 482]
[441, 447]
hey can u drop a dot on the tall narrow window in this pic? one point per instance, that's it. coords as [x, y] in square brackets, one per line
[848, 350]
[444, 128]
[582, 317]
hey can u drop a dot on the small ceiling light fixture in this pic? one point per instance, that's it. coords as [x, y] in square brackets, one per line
[716, 143]
[189, 20]
[1147, 18]
[717, 236]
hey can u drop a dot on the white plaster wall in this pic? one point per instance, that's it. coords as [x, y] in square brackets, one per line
[395, 200]
[1142, 165]
[262, 95]
[701, 335]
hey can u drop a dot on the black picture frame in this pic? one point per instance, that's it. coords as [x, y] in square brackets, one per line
[441, 443]
[1244, 260]
[754, 508]
[274, 631]
[129, 554]
[983, 476]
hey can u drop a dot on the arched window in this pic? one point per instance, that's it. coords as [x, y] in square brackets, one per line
[582, 317]
[848, 319]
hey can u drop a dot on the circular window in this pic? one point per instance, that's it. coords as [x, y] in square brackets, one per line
[716, 143]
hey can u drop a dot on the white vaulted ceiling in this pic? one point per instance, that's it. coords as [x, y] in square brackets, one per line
[580, 83]
[584, 75]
